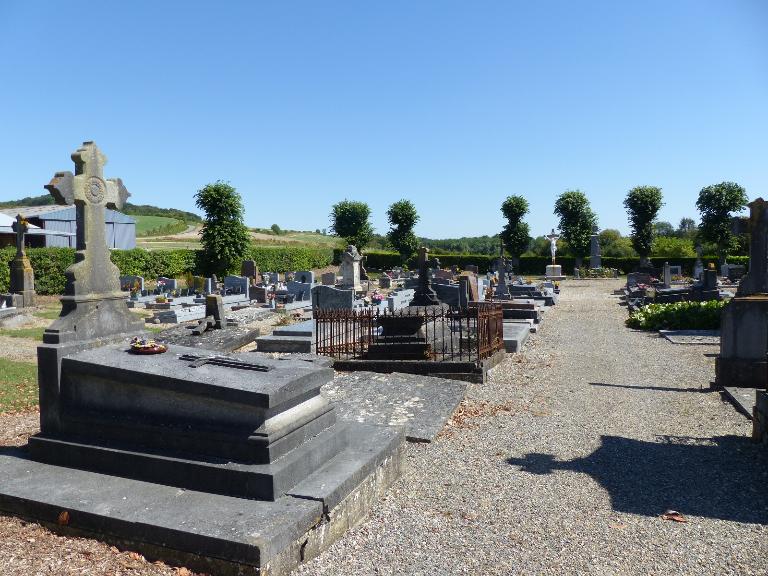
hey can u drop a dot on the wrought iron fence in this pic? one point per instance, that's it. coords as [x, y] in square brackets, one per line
[435, 333]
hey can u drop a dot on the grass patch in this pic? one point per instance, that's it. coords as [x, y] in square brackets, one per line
[35, 333]
[158, 225]
[48, 314]
[154, 329]
[18, 385]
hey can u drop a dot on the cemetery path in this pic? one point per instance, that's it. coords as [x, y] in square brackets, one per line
[565, 460]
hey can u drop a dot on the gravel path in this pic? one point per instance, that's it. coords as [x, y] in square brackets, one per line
[564, 462]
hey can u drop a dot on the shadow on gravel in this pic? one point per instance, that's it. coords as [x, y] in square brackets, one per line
[659, 388]
[724, 477]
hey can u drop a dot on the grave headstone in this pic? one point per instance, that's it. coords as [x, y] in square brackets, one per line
[302, 291]
[667, 275]
[328, 279]
[132, 284]
[676, 270]
[168, 284]
[93, 307]
[235, 285]
[385, 281]
[304, 276]
[22, 280]
[424, 295]
[350, 269]
[698, 267]
[330, 298]
[472, 268]
[249, 269]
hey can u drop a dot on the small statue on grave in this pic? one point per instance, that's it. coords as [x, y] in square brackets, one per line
[22, 286]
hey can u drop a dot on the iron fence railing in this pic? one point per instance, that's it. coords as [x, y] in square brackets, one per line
[435, 333]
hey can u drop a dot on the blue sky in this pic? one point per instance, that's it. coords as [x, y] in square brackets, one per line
[454, 105]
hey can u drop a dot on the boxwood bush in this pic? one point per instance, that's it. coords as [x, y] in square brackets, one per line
[678, 316]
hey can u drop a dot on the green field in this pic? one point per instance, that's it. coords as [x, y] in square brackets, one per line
[147, 225]
[18, 385]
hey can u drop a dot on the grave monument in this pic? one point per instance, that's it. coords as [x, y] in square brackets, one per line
[502, 291]
[226, 464]
[22, 286]
[554, 271]
[744, 321]
[424, 295]
[350, 269]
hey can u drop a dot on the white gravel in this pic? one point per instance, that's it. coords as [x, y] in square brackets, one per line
[574, 477]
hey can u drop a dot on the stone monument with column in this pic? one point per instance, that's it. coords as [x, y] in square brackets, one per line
[22, 285]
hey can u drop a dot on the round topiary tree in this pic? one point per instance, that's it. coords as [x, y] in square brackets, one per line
[402, 217]
[577, 222]
[516, 234]
[643, 204]
[715, 204]
[349, 220]
[225, 238]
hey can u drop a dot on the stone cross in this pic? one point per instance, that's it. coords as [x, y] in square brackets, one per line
[21, 227]
[93, 305]
[424, 295]
[756, 280]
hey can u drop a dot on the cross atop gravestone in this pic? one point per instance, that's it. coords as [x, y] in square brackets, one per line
[93, 305]
[20, 226]
[22, 277]
[424, 295]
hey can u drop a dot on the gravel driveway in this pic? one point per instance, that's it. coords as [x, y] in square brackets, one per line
[565, 460]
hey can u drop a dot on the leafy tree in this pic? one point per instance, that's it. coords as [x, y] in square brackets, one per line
[643, 204]
[577, 222]
[276, 229]
[613, 244]
[663, 228]
[686, 228]
[669, 246]
[402, 217]
[516, 233]
[349, 220]
[715, 204]
[224, 237]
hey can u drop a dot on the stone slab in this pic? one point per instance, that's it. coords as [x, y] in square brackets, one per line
[743, 399]
[305, 328]
[278, 343]
[515, 336]
[209, 533]
[225, 340]
[420, 404]
[692, 336]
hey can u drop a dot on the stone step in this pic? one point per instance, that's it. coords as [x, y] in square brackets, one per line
[259, 481]
[305, 328]
[274, 343]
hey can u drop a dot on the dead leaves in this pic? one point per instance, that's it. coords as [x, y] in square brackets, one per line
[469, 410]
[674, 516]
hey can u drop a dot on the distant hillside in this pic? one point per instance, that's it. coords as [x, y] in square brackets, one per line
[130, 209]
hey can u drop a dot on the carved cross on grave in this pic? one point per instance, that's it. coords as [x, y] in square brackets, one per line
[424, 295]
[20, 226]
[92, 305]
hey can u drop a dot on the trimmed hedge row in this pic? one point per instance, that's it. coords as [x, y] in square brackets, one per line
[536, 264]
[49, 264]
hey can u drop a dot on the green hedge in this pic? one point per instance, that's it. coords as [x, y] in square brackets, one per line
[678, 316]
[49, 264]
[535, 264]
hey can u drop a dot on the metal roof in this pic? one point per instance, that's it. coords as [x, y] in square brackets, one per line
[56, 212]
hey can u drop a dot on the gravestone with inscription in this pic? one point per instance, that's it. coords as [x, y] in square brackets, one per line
[350, 269]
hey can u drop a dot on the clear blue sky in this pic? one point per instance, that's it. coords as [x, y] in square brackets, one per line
[454, 105]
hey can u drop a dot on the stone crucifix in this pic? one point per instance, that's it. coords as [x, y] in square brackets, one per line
[22, 281]
[93, 305]
[553, 238]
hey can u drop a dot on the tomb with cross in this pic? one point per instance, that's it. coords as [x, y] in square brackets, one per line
[22, 285]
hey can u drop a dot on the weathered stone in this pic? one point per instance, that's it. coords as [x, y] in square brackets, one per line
[350, 269]
[22, 281]
[328, 279]
[93, 307]
[330, 298]
[249, 269]
[425, 295]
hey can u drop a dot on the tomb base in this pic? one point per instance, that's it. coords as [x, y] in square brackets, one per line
[206, 532]
[743, 343]
[555, 272]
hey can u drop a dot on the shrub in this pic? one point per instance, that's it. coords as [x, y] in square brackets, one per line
[678, 316]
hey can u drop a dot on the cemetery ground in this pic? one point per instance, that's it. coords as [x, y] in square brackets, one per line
[562, 463]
